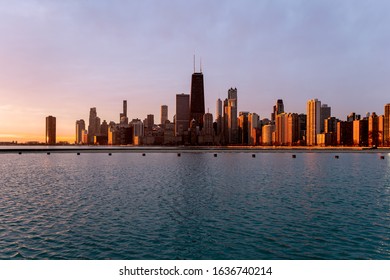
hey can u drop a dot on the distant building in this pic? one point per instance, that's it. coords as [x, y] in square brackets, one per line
[266, 134]
[50, 130]
[164, 114]
[218, 117]
[94, 125]
[386, 126]
[123, 119]
[345, 133]
[243, 128]
[182, 120]
[150, 122]
[313, 110]
[325, 113]
[253, 128]
[80, 126]
[360, 132]
[277, 109]
[197, 108]
[375, 130]
[230, 117]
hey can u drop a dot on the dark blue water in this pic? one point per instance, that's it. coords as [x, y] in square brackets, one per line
[197, 206]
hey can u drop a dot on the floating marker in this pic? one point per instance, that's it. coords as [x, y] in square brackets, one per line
[294, 156]
[48, 153]
[253, 155]
[336, 157]
[20, 153]
[179, 155]
[109, 154]
[215, 155]
[382, 157]
[143, 155]
[78, 154]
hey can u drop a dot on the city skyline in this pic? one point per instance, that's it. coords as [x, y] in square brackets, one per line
[62, 58]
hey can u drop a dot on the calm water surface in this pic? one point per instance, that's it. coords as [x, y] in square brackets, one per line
[197, 206]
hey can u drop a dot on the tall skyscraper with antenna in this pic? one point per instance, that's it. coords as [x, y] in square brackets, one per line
[197, 108]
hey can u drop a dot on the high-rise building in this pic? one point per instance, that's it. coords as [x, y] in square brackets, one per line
[292, 129]
[386, 126]
[325, 113]
[94, 125]
[281, 129]
[360, 132]
[50, 130]
[375, 130]
[254, 128]
[208, 124]
[197, 108]
[243, 131]
[182, 121]
[164, 114]
[80, 126]
[313, 110]
[277, 109]
[218, 116]
[150, 122]
[345, 133]
[123, 119]
[266, 134]
[230, 117]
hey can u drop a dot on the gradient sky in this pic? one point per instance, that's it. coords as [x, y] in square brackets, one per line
[61, 58]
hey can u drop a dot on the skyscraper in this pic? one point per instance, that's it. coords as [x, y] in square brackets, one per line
[278, 109]
[313, 110]
[230, 117]
[386, 126]
[94, 125]
[182, 121]
[123, 119]
[50, 130]
[218, 116]
[325, 113]
[197, 109]
[80, 126]
[164, 114]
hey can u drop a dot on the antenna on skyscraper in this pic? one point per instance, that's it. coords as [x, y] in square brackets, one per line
[194, 62]
[200, 65]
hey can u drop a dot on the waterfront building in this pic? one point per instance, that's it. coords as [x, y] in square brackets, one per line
[313, 109]
[50, 130]
[253, 128]
[360, 132]
[164, 114]
[302, 128]
[330, 128]
[208, 124]
[344, 133]
[281, 129]
[266, 134]
[182, 114]
[375, 130]
[292, 129]
[243, 128]
[325, 113]
[80, 126]
[197, 108]
[386, 126]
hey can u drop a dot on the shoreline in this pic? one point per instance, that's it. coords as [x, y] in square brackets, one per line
[186, 149]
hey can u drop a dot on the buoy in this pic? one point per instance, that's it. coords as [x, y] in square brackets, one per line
[48, 153]
[20, 153]
[294, 156]
[253, 155]
[215, 155]
[143, 155]
[109, 154]
[336, 157]
[178, 154]
[382, 157]
[78, 154]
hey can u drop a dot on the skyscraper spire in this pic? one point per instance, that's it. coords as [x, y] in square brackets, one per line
[200, 65]
[194, 62]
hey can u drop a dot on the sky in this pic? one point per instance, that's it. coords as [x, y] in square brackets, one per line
[61, 58]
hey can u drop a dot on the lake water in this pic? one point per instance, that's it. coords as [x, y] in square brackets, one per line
[196, 206]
